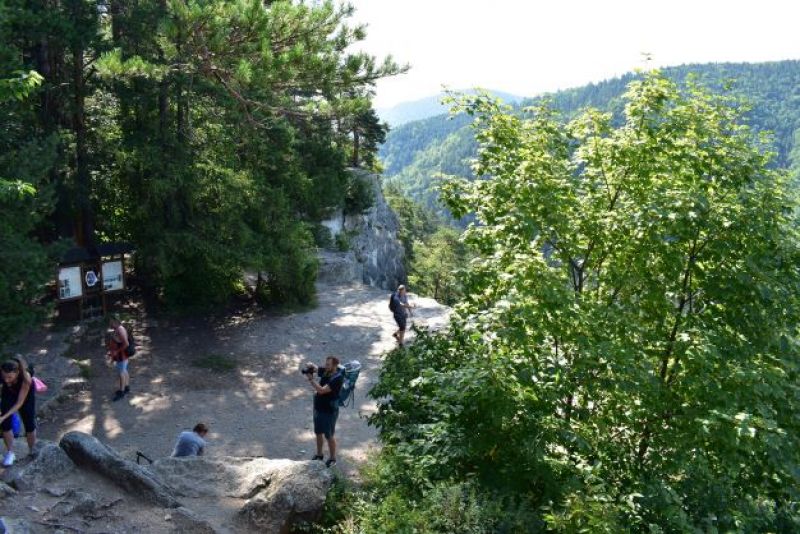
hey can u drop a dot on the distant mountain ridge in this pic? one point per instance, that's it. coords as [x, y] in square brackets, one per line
[415, 152]
[429, 106]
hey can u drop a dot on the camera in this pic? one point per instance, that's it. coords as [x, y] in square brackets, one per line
[308, 368]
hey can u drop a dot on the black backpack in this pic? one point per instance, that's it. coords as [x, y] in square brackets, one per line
[392, 303]
[131, 350]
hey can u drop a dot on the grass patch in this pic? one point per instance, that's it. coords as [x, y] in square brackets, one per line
[215, 362]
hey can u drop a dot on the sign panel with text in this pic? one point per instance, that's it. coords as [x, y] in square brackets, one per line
[112, 276]
[70, 283]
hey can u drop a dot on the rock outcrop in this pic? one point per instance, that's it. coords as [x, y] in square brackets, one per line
[49, 463]
[88, 452]
[278, 493]
[376, 254]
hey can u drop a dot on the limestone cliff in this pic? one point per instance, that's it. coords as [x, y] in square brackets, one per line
[376, 254]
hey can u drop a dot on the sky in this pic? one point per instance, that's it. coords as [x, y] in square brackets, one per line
[527, 47]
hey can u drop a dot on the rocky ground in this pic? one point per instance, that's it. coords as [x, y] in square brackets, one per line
[238, 373]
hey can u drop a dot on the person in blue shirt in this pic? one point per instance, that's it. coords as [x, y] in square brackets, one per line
[401, 312]
[191, 443]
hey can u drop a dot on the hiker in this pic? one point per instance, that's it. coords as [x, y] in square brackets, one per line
[326, 405]
[401, 310]
[191, 443]
[118, 353]
[17, 395]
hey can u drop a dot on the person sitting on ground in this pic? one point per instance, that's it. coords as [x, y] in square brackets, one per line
[118, 353]
[402, 309]
[191, 443]
[17, 395]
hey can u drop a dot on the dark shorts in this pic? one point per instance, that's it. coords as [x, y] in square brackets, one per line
[27, 412]
[325, 423]
[400, 320]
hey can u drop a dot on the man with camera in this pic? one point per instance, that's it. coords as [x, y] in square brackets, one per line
[326, 404]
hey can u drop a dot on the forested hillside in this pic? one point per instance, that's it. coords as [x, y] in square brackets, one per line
[212, 135]
[415, 152]
[427, 107]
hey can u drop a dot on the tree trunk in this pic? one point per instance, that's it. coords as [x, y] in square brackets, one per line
[85, 234]
[356, 148]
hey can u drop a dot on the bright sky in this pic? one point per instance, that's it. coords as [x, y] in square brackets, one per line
[526, 47]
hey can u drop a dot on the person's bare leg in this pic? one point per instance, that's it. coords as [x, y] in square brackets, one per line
[8, 439]
[31, 438]
[125, 380]
[400, 336]
[319, 444]
[332, 448]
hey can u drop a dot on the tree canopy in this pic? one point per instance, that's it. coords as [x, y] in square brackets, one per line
[629, 329]
[210, 134]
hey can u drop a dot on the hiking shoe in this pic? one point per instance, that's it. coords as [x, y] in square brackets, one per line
[331, 462]
[8, 459]
[317, 457]
[127, 389]
[118, 395]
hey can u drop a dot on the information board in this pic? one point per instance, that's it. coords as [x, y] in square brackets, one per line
[112, 276]
[70, 283]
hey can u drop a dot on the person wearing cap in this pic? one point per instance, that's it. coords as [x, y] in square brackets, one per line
[402, 309]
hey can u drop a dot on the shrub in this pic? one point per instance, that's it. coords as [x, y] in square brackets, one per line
[359, 196]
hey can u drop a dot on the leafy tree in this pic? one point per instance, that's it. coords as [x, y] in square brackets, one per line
[18, 87]
[228, 144]
[629, 327]
[436, 265]
[23, 261]
[368, 134]
[417, 223]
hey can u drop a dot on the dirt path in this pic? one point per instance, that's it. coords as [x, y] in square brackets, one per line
[261, 407]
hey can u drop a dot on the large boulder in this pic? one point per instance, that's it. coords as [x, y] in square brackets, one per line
[279, 493]
[187, 521]
[15, 525]
[49, 463]
[286, 496]
[87, 451]
[6, 491]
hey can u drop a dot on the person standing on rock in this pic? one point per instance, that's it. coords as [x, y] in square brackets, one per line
[17, 395]
[191, 443]
[401, 310]
[118, 353]
[326, 405]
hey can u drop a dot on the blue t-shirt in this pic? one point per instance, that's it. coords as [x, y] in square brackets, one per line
[189, 444]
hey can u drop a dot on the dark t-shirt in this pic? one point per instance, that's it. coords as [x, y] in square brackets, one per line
[329, 402]
[399, 310]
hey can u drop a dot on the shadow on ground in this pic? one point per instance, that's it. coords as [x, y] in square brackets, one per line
[239, 374]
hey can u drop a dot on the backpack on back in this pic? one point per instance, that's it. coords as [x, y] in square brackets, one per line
[131, 350]
[392, 303]
[350, 372]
